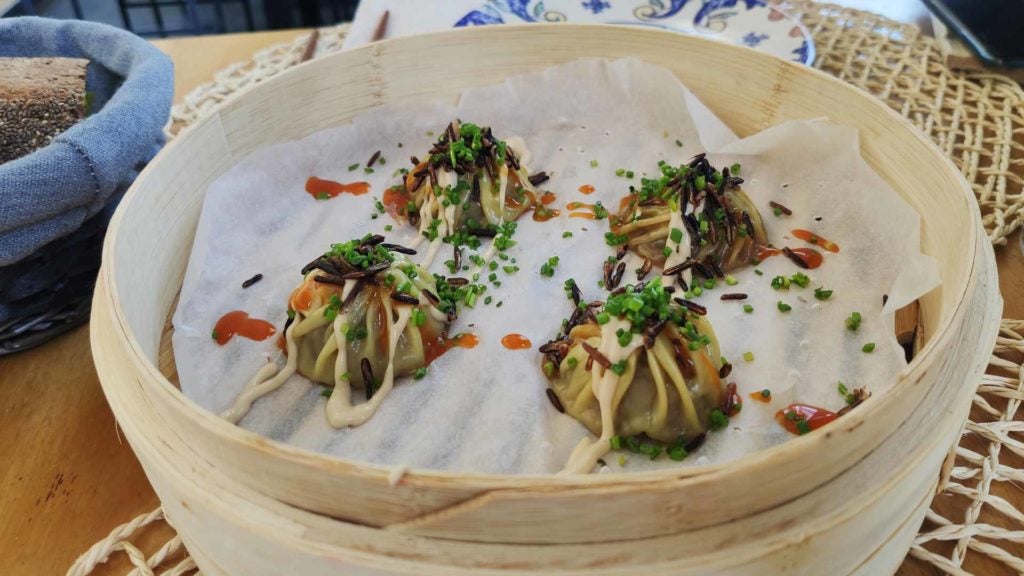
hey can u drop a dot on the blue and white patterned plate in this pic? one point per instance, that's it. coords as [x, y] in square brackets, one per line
[755, 23]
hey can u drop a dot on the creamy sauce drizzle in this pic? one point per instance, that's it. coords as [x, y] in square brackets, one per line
[340, 410]
[431, 210]
[604, 384]
[266, 380]
[680, 250]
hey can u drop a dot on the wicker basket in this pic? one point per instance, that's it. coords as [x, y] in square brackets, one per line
[847, 499]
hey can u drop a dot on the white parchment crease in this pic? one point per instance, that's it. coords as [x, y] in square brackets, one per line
[484, 409]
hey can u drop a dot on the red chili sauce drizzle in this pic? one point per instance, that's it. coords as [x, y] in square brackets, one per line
[321, 189]
[239, 323]
[434, 348]
[733, 403]
[812, 238]
[396, 202]
[539, 206]
[516, 342]
[806, 418]
[810, 256]
[541, 212]
[587, 189]
[590, 214]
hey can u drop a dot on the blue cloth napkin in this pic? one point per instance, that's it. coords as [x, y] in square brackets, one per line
[50, 193]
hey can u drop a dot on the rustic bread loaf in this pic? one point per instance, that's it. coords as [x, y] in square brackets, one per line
[39, 99]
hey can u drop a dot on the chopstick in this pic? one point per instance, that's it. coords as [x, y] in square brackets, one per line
[382, 27]
[378, 34]
[310, 50]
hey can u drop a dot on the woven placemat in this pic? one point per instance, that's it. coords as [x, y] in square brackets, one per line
[972, 528]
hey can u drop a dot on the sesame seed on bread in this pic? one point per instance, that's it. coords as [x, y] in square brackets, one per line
[39, 99]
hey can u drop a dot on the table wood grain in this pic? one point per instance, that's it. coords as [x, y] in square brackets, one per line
[67, 478]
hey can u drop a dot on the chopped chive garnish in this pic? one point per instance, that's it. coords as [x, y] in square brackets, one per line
[603, 318]
[748, 308]
[418, 317]
[593, 163]
[566, 234]
[548, 268]
[822, 294]
[419, 373]
[679, 143]
[802, 426]
[800, 279]
[572, 362]
[676, 453]
[735, 169]
[758, 272]
[549, 368]
[676, 235]
[868, 348]
[730, 281]
[619, 367]
[766, 393]
[353, 167]
[718, 419]
[783, 307]
[613, 239]
[853, 322]
[620, 172]
[748, 356]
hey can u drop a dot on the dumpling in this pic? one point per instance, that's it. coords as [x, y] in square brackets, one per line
[363, 316]
[470, 182]
[366, 298]
[691, 214]
[642, 363]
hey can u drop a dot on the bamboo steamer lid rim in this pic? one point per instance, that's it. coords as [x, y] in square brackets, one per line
[604, 483]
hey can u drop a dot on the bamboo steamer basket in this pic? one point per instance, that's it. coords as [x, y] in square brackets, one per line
[868, 476]
[860, 523]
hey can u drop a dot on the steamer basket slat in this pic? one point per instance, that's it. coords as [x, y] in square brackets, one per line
[870, 474]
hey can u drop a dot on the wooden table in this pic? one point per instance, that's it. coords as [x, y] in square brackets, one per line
[67, 478]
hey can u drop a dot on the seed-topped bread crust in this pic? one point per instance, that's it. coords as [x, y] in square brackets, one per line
[39, 99]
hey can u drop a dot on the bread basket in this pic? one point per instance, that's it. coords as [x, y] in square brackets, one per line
[844, 500]
[56, 201]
